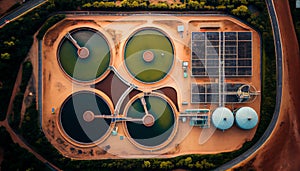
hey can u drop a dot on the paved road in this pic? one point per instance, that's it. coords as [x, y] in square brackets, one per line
[20, 11]
[278, 49]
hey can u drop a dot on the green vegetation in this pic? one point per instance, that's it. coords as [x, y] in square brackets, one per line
[248, 10]
[26, 74]
[15, 117]
[15, 41]
[49, 23]
[31, 131]
[19, 35]
[15, 157]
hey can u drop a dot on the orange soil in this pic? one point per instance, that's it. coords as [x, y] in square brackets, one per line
[282, 150]
[6, 4]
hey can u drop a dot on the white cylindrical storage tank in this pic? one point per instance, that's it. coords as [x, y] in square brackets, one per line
[246, 118]
[222, 118]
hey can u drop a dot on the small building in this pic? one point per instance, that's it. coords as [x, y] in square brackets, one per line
[222, 118]
[180, 28]
[198, 117]
[246, 118]
[200, 121]
[185, 65]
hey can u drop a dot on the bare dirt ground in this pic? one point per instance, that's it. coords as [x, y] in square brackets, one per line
[6, 4]
[282, 150]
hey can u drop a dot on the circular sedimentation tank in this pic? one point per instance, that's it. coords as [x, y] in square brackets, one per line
[156, 129]
[222, 118]
[149, 55]
[77, 118]
[89, 59]
[246, 118]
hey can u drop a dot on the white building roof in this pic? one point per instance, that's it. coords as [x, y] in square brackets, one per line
[222, 118]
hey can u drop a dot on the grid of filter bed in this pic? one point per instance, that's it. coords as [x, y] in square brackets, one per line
[209, 93]
[209, 49]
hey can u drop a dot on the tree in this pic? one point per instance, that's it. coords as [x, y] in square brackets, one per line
[221, 7]
[146, 164]
[109, 4]
[224, 2]
[190, 165]
[207, 165]
[124, 4]
[230, 6]
[5, 56]
[235, 1]
[49, 23]
[188, 161]
[166, 165]
[162, 5]
[133, 4]
[194, 5]
[208, 7]
[87, 5]
[9, 43]
[202, 4]
[245, 2]
[180, 163]
[50, 7]
[143, 5]
[155, 164]
[96, 4]
[240, 11]
[198, 165]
